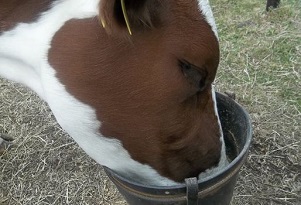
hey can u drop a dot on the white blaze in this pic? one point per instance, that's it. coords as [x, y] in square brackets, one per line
[207, 12]
[223, 160]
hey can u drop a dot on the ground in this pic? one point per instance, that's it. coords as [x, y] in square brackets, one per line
[260, 63]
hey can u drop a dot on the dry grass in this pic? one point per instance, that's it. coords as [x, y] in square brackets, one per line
[261, 60]
[261, 63]
[45, 166]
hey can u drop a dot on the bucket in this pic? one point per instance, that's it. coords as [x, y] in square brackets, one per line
[212, 190]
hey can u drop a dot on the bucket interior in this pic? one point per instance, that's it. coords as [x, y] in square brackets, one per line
[236, 126]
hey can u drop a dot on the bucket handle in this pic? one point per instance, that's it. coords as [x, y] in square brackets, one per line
[192, 191]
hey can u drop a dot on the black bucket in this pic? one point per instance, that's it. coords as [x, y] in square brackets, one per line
[213, 190]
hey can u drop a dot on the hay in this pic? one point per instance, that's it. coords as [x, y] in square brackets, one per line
[261, 58]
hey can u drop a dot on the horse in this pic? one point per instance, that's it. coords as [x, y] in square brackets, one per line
[131, 81]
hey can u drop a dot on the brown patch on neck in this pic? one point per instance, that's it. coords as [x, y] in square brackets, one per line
[13, 12]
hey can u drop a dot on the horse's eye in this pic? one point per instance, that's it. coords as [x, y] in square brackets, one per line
[196, 76]
[185, 65]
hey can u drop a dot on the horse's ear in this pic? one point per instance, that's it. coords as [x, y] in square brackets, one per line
[130, 15]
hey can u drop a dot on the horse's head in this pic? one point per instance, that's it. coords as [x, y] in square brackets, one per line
[152, 90]
[160, 84]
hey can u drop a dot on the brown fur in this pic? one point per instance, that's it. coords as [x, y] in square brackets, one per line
[20, 11]
[139, 92]
[143, 15]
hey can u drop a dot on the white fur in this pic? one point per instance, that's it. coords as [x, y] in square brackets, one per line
[223, 160]
[205, 9]
[23, 58]
[81, 123]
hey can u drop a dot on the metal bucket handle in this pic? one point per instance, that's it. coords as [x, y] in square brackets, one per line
[192, 191]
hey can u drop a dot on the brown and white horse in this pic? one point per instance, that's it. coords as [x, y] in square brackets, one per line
[129, 80]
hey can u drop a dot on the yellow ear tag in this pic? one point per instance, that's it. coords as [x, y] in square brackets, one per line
[126, 18]
[103, 23]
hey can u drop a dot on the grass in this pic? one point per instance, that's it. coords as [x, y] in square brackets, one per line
[261, 63]
[45, 166]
